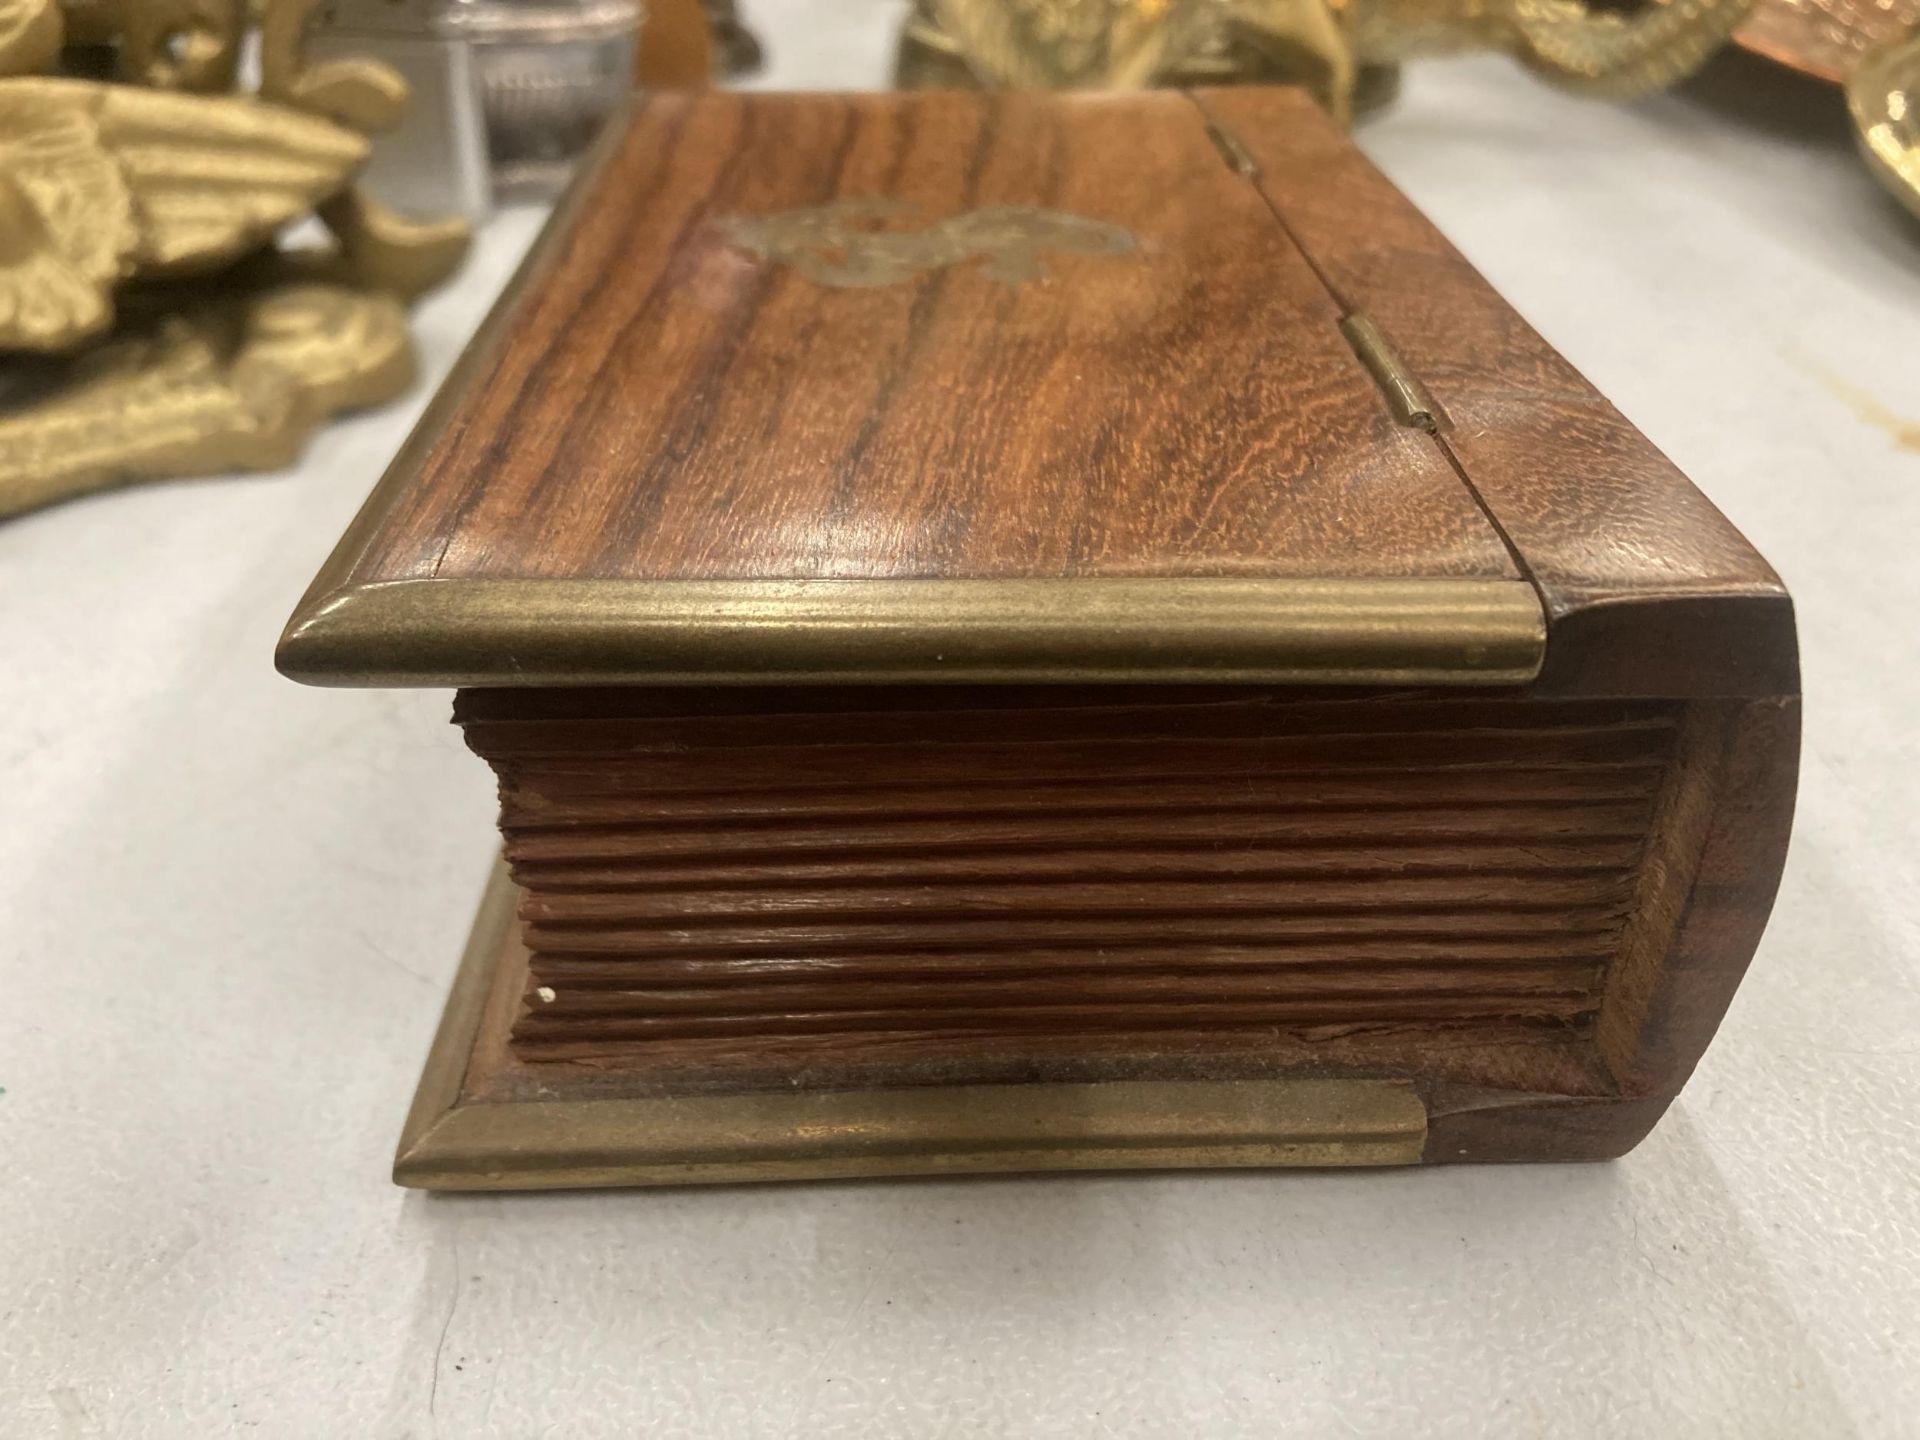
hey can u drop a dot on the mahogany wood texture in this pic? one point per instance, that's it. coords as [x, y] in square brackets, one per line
[1198, 861]
[1648, 588]
[669, 405]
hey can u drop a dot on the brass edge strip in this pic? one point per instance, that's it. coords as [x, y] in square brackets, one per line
[1216, 630]
[450, 1143]
[445, 1071]
[942, 1130]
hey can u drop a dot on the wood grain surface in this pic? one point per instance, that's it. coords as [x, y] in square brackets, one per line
[1648, 588]
[887, 877]
[669, 405]
[662, 402]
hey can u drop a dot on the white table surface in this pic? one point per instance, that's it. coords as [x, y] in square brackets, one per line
[229, 908]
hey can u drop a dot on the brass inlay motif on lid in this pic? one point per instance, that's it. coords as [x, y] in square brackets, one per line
[844, 244]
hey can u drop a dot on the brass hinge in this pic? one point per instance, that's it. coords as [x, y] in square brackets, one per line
[1239, 159]
[1406, 397]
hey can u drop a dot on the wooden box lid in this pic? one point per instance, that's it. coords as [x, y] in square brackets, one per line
[1009, 387]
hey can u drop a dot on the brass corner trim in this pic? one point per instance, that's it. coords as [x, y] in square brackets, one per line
[977, 631]
[453, 1141]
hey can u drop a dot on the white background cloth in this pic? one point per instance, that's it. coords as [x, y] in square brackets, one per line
[229, 908]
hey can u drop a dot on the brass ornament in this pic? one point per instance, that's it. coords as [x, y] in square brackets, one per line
[391, 252]
[115, 196]
[222, 385]
[457, 1139]
[107, 183]
[1349, 51]
[1342, 48]
[31, 32]
[1072, 44]
[1603, 52]
[178, 44]
[408, 257]
[363, 94]
[1883, 94]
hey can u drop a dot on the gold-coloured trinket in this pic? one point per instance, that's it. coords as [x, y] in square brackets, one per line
[118, 196]
[1346, 50]
[30, 35]
[1884, 96]
[102, 184]
[220, 385]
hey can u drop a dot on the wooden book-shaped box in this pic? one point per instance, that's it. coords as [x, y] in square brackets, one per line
[1028, 632]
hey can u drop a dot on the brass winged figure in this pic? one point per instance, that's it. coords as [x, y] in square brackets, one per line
[136, 186]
